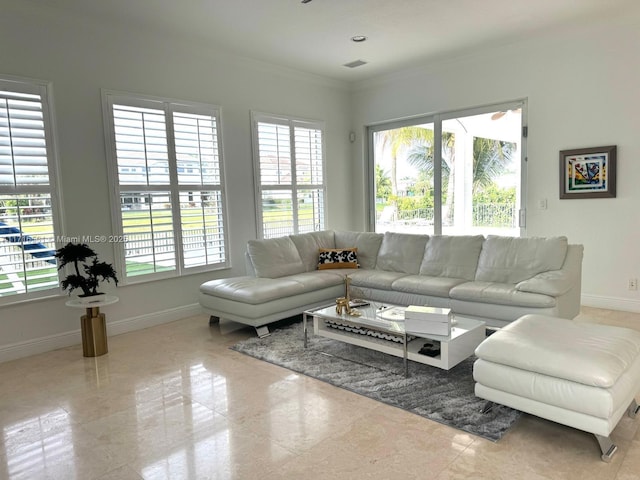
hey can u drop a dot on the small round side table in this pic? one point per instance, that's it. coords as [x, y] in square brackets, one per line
[93, 325]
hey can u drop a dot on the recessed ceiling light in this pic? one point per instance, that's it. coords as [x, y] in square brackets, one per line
[358, 38]
[355, 63]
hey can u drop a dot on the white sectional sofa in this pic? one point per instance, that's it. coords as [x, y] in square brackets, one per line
[495, 279]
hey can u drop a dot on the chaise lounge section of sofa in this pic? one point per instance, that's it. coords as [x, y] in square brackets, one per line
[495, 279]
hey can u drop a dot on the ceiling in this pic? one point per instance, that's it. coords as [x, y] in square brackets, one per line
[315, 37]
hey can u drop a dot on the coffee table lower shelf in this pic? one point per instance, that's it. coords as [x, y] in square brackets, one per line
[465, 336]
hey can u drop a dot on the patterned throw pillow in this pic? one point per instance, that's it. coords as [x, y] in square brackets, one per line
[337, 258]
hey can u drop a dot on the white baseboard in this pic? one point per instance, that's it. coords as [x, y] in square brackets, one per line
[610, 303]
[67, 339]
[39, 345]
[152, 319]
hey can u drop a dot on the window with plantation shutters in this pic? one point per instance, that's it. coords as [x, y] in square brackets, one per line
[167, 175]
[27, 192]
[289, 170]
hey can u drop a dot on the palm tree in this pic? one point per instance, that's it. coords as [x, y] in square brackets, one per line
[421, 156]
[397, 140]
[490, 160]
[383, 183]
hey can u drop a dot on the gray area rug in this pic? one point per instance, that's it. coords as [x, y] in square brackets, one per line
[443, 396]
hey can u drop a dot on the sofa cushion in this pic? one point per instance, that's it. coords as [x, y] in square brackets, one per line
[252, 290]
[452, 256]
[499, 293]
[513, 259]
[275, 257]
[586, 353]
[426, 285]
[376, 279]
[554, 283]
[256, 290]
[401, 252]
[367, 243]
[316, 280]
[308, 245]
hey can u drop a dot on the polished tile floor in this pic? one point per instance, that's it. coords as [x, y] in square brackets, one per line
[173, 401]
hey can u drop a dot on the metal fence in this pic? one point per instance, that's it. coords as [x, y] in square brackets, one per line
[490, 215]
[495, 215]
[144, 243]
[500, 215]
[12, 258]
[426, 214]
[280, 229]
[147, 243]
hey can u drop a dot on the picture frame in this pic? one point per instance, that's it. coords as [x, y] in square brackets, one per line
[588, 173]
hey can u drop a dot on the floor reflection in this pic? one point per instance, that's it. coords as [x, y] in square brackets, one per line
[173, 401]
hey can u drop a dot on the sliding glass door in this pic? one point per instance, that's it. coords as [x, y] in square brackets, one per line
[403, 178]
[452, 173]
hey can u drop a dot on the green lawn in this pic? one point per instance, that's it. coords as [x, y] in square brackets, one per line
[305, 212]
[137, 268]
[45, 275]
[137, 221]
[34, 278]
[4, 282]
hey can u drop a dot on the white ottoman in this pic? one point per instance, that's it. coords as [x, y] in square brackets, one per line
[582, 375]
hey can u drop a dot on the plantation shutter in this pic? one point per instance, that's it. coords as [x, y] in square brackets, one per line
[27, 233]
[200, 185]
[289, 162]
[170, 186]
[145, 197]
[23, 149]
[310, 178]
[274, 147]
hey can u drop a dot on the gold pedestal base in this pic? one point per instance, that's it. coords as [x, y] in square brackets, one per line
[94, 333]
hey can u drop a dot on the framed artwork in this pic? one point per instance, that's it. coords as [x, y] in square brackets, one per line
[588, 172]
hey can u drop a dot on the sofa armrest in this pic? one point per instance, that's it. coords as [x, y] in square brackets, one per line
[554, 283]
[248, 265]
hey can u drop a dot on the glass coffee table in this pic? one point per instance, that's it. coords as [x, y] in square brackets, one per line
[383, 330]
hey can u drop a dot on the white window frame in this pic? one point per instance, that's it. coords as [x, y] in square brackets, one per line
[168, 106]
[45, 90]
[437, 120]
[294, 186]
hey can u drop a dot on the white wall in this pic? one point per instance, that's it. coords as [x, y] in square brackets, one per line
[581, 82]
[81, 57]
